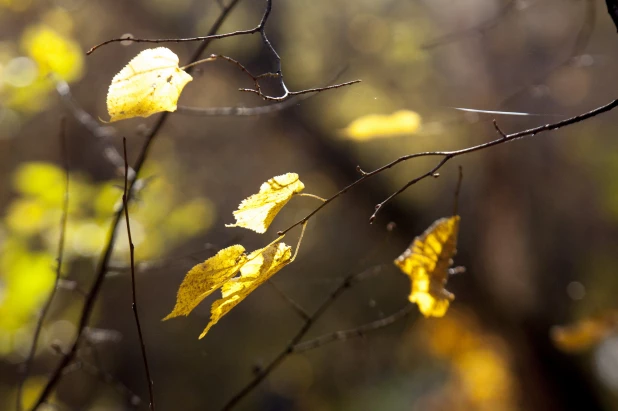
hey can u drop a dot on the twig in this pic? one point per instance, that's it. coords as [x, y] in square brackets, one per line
[295, 306]
[581, 42]
[289, 348]
[101, 133]
[359, 331]
[59, 258]
[250, 111]
[125, 200]
[448, 155]
[107, 253]
[260, 28]
[457, 190]
[481, 28]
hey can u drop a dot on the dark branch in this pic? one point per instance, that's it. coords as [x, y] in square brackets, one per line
[125, 199]
[289, 348]
[357, 332]
[448, 155]
[59, 258]
[107, 253]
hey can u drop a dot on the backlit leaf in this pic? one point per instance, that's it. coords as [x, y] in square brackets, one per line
[427, 263]
[149, 84]
[258, 211]
[261, 265]
[376, 125]
[206, 277]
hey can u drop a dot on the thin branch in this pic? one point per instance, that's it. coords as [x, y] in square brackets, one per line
[479, 29]
[295, 306]
[184, 40]
[289, 348]
[579, 46]
[357, 332]
[101, 133]
[251, 111]
[59, 259]
[125, 200]
[107, 253]
[457, 191]
[448, 155]
[260, 28]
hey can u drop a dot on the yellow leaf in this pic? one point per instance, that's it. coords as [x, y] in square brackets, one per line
[377, 125]
[258, 211]
[149, 84]
[427, 262]
[54, 52]
[261, 265]
[206, 277]
[584, 334]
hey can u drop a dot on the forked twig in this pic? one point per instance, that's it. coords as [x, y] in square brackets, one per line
[449, 155]
[107, 253]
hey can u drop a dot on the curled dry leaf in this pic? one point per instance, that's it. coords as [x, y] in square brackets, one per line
[261, 265]
[150, 83]
[259, 210]
[427, 263]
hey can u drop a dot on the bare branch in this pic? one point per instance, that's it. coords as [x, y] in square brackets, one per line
[125, 199]
[357, 332]
[448, 155]
[347, 282]
[107, 253]
[59, 259]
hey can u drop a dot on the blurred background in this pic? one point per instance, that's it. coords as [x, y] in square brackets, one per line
[533, 325]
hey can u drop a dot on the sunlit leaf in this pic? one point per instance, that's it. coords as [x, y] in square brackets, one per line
[206, 277]
[427, 263]
[261, 265]
[258, 211]
[149, 84]
[584, 334]
[377, 125]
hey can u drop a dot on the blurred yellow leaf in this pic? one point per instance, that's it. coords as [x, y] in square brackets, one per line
[45, 181]
[377, 125]
[584, 334]
[53, 52]
[427, 263]
[260, 266]
[206, 277]
[149, 84]
[258, 211]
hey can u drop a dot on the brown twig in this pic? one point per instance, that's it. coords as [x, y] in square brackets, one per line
[125, 199]
[448, 155]
[260, 28]
[480, 29]
[59, 259]
[347, 282]
[107, 253]
[251, 111]
[357, 332]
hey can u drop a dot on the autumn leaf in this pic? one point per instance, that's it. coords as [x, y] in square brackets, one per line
[260, 266]
[427, 262]
[584, 334]
[149, 84]
[206, 277]
[376, 125]
[258, 211]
